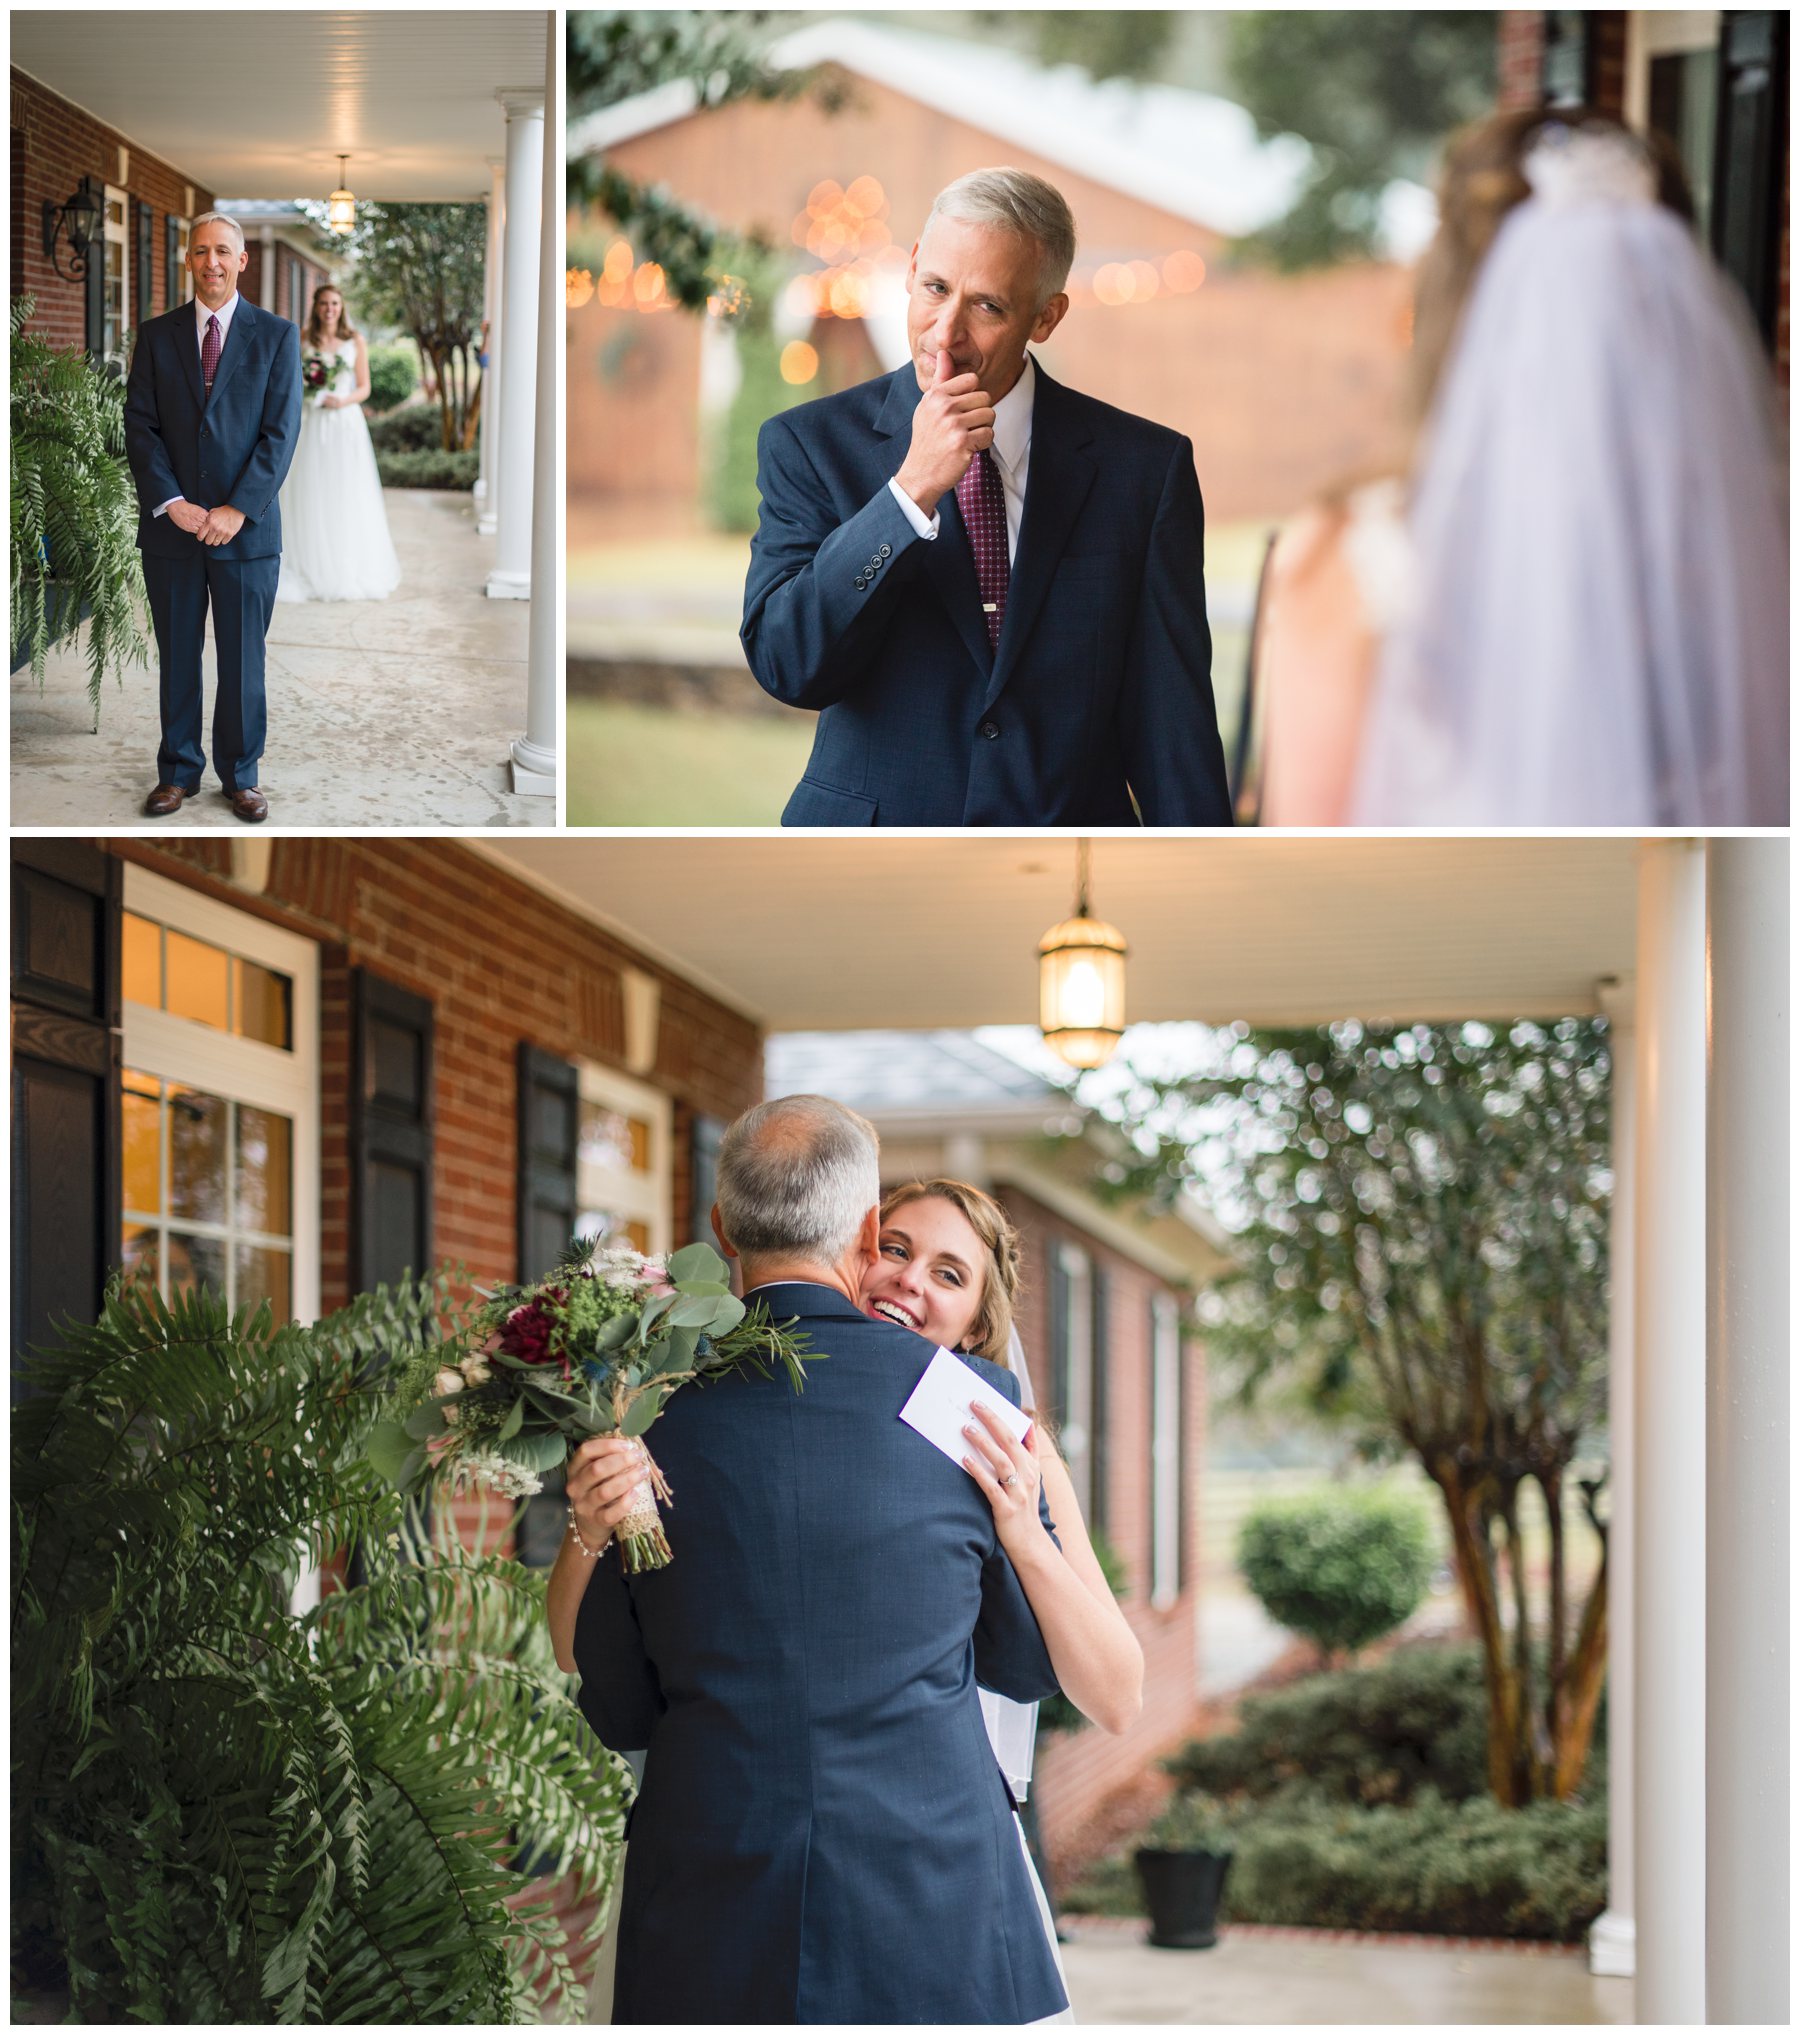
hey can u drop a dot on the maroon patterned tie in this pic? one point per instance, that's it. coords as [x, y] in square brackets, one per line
[209, 353]
[982, 500]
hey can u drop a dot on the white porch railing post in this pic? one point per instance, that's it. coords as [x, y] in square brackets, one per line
[1747, 1396]
[534, 756]
[511, 577]
[490, 375]
[1612, 1941]
[1668, 1777]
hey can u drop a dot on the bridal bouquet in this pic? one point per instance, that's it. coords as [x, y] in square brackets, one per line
[322, 372]
[594, 1349]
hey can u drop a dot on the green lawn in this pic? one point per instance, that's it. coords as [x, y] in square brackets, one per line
[633, 766]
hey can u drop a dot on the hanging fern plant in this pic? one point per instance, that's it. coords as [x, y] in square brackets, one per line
[74, 511]
[223, 1812]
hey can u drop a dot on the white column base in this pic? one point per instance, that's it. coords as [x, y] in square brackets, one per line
[487, 521]
[533, 769]
[1612, 1946]
[480, 489]
[509, 586]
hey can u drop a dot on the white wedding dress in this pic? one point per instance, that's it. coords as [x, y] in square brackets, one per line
[334, 534]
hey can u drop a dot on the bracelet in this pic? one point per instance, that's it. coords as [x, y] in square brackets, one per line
[590, 1553]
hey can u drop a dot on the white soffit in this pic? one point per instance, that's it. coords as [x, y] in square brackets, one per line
[260, 105]
[808, 932]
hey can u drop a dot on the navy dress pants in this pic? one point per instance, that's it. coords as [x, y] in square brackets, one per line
[241, 592]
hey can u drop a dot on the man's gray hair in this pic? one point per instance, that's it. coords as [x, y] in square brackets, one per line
[224, 219]
[797, 1178]
[1017, 202]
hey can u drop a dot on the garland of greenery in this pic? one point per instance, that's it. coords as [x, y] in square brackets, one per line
[223, 1812]
[74, 511]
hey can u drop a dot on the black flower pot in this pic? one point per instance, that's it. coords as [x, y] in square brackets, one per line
[1182, 1890]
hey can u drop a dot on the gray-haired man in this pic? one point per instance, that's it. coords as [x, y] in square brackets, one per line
[988, 586]
[822, 1832]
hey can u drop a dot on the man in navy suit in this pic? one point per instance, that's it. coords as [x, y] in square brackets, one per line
[988, 586]
[823, 1833]
[212, 416]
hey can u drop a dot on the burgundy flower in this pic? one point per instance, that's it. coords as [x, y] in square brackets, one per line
[527, 1331]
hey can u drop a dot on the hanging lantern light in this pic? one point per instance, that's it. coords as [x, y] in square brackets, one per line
[340, 207]
[1081, 981]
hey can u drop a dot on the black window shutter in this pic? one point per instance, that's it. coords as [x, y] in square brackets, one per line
[171, 262]
[391, 1134]
[1099, 1393]
[703, 1187]
[549, 1129]
[1062, 1354]
[65, 1084]
[549, 1133]
[1568, 78]
[1752, 157]
[95, 305]
[146, 261]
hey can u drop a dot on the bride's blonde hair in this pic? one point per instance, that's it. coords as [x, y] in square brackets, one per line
[345, 330]
[990, 1334]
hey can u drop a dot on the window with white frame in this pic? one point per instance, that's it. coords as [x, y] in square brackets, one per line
[115, 279]
[1165, 1452]
[624, 1161]
[1073, 1357]
[220, 1109]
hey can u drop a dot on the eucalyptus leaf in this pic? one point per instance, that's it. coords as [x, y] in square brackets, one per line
[614, 1334]
[513, 1421]
[697, 1310]
[644, 1409]
[428, 1421]
[652, 1314]
[730, 1311]
[697, 1261]
[387, 1447]
[538, 1452]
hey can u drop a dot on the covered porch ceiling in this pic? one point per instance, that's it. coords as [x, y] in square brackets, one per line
[804, 933]
[260, 105]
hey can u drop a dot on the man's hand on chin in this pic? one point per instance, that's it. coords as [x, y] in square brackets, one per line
[954, 421]
[188, 516]
[221, 525]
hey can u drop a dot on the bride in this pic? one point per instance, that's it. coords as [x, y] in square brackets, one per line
[949, 1271]
[335, 542]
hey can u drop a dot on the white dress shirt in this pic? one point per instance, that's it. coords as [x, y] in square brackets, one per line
[224, 314]
[1012, 460]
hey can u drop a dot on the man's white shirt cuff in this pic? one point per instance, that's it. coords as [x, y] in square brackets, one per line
[926, 526]
[167, 506]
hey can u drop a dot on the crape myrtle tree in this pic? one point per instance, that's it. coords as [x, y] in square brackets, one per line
[423, 267]
[1421, 1224]
[614, 56]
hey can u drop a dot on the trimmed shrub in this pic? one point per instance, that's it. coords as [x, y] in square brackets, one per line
[1341, 1567]
[420, 429]
[458, 470]
[393, 375]
[1432, 1868]
[1361, 1735]
[761, 394]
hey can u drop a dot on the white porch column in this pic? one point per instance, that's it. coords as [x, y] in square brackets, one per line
[534, 755]
[490, 375]
[1668, 1776]
[510, 579]
[1747, 1243]
[266, 269]
[1612, 1941]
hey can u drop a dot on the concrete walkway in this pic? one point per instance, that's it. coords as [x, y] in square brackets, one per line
[395, 713]
[1320, 1979]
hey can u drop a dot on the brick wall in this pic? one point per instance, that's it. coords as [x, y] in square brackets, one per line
[55, 145]
[1076, 1771]
[1283, 383]
[501, 963]
[1521, 60]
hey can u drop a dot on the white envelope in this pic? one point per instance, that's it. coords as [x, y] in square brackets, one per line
[941, 1403]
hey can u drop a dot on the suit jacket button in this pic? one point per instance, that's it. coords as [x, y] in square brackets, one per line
[860, 582]
[988, 731]
[887, 551]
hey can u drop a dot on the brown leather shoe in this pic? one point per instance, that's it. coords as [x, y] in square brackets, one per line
[248, 803]
[164, 800]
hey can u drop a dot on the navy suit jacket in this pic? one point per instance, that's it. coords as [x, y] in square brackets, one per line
[823, 1833]
[233, 450]
[1102, 684]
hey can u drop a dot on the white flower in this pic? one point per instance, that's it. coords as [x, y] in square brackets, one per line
[475, 1369]
[448, 1380]
[620, 1266]
[487, 1466]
